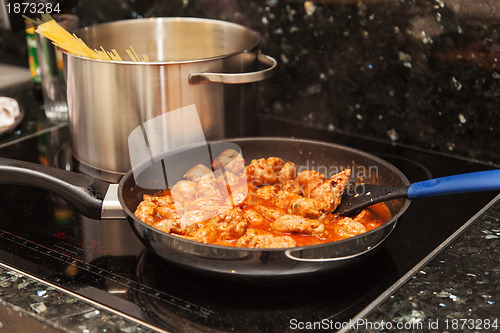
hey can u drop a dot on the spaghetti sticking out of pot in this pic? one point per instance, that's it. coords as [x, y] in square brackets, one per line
[50, 29]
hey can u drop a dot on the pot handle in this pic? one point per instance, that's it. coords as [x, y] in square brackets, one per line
[289, 253]
[81, 191]
[238, 78]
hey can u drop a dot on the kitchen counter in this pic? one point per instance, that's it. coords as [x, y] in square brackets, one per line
[460, 280]
[459, 286]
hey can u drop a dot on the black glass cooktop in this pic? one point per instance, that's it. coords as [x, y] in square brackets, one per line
[104, 261]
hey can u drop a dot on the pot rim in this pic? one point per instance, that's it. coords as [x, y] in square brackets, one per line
[258, 40]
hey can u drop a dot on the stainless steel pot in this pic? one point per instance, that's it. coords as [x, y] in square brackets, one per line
[208, 63]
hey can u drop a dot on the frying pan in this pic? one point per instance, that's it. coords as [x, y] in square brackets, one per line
[99, 200]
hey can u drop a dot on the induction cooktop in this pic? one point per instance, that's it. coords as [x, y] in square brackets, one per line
[103, 261]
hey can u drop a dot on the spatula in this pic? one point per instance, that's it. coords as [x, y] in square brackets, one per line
[361, 196]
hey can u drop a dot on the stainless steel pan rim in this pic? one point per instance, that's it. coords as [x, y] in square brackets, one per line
[389, 224]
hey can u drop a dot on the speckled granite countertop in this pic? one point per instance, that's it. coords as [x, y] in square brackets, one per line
[458, 290]
[51, 310]
[461, 282]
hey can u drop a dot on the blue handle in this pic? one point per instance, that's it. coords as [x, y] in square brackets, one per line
[468, 182]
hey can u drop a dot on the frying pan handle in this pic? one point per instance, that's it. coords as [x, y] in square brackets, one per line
[238, 78]
[289, 253]
[83, 192]
[468, 182]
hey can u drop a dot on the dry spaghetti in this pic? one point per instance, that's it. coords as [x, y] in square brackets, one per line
[50, 29]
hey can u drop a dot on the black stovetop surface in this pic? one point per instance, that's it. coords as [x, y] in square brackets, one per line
[104, 261]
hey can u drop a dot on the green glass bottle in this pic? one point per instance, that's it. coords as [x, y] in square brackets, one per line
[34, 67]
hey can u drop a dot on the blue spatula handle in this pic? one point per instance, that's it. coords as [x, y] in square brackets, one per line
[468, 182]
